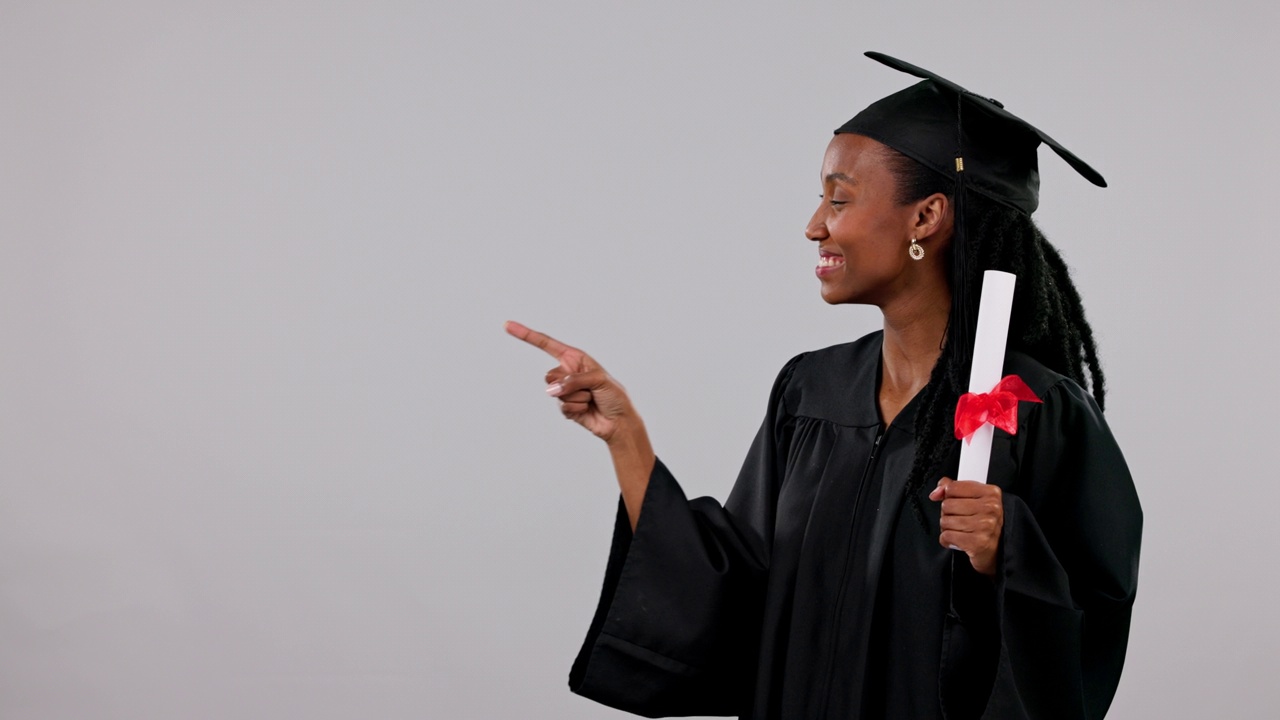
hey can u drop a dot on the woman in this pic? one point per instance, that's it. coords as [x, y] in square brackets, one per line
[829, 584]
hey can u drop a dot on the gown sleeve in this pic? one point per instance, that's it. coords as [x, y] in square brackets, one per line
[1068, 566]
[677, 627]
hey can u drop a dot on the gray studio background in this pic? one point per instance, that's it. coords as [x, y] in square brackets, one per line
[265, 451]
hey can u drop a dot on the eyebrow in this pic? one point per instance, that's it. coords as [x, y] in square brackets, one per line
[842, 178]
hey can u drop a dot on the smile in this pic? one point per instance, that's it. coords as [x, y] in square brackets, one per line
[828, 263]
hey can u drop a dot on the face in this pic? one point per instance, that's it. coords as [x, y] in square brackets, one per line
[861, 231]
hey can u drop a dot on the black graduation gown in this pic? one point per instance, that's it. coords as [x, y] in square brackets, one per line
[815, 591]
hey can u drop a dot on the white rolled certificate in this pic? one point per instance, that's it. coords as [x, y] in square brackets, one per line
[989, 342]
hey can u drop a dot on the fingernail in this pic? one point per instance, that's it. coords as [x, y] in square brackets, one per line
[554, 389]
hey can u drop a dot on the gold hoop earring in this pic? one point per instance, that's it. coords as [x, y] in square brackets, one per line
[915, 251]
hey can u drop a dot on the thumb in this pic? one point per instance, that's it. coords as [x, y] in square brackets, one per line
[940, 492]
[577, 362]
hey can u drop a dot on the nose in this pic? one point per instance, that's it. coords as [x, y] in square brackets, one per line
[817, 228]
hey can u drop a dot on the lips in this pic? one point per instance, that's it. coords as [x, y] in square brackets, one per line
[829, 259]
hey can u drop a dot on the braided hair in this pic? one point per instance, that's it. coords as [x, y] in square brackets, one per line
[1047, 322]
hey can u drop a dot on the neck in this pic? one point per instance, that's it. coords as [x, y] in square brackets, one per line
[913, 333]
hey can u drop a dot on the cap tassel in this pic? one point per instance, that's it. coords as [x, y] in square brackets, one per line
[961, 293]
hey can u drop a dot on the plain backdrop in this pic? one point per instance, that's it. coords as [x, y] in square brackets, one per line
[265, 451]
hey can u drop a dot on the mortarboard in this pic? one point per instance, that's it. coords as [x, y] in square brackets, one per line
[963, 135]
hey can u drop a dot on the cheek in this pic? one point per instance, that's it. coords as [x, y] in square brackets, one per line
[868, 242]
[888, 235]
[849, 230]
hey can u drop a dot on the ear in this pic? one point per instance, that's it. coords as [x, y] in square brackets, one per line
[931, 218]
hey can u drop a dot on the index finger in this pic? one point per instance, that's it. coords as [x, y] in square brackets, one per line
[548, 344]
[970, 489]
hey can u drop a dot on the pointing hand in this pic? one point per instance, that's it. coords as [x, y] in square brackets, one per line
[588, 395]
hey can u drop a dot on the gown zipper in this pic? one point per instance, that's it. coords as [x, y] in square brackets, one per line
[844, 573]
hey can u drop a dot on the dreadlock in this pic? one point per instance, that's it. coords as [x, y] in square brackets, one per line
[1047, 322]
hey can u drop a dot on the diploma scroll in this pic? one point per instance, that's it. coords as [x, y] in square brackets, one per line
[994, 308]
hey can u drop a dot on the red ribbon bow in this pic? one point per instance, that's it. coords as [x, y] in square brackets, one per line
[998, 407]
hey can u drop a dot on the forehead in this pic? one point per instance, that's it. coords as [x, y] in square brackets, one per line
[857, 158]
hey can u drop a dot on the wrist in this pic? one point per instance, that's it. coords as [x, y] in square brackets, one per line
[628, 436]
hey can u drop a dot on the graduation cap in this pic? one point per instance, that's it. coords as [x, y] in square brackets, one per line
[970, 138]
[963, 135]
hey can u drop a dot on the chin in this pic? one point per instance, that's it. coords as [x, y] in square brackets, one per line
[836, 295]
[836, 298]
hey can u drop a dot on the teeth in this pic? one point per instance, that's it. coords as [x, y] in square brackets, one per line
[830, 261]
